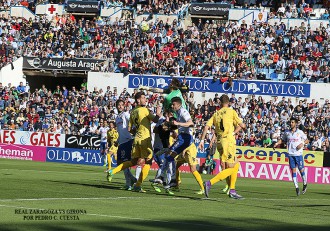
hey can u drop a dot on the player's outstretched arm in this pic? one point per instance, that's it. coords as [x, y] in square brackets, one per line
[155, 90]
[277, 143]
[214, 137]
[158, 114]
[201, 144]
[184, 124]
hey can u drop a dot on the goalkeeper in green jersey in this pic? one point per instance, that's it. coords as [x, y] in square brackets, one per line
[174, 90]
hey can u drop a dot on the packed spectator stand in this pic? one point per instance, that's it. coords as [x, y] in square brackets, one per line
[77, 111]
[221, 50]
[205, 49]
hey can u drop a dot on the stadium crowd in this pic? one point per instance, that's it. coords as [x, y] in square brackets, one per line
[77, 111]
[206, 49]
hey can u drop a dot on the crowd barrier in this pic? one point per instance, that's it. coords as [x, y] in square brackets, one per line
[16, 74]
[161, 17]
[292, 22]
[21, 12]
[260, 163]
[248, 15]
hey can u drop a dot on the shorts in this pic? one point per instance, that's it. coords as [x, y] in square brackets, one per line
[124, 151]
[103, 146]
[183, 141]
[142, 149]
[227, 150]
[160, 159]
[296, 162]
[189, 157]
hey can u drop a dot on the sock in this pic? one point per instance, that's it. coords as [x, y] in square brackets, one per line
[127, 178]
[169, 173]
[228, 181]
[198, 179]
[303, 176]
[159, 172]
[294, 177]
[109, 161]
[233, 176]
[162, 169]
[222, 175]
[143, 175]
[177, 177]
[122, 166]
[130, 175]
[105, 159]
[138, 171]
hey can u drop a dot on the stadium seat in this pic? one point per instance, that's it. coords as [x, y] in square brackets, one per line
[281, 77]
[273, 76]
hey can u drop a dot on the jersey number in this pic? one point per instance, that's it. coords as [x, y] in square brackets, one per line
[221, 125]
[136, 121]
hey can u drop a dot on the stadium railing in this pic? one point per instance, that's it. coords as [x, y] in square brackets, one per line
[21, 12]
[292, 22]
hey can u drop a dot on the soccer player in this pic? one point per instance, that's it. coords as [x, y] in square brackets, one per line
[184, 139]
[162, 141]
[112, 134]
[125, 142]
[112, 151]
[226, 189]
[189, 156]
[103, 144]
[157, 146]
[174, 90]
[140, 118]
[295, 140]
[227, 124]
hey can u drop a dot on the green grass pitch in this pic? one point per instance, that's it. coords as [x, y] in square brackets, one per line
[32, 186]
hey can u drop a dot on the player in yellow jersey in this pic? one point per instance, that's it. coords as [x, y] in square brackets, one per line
[189, 156]
[227, 124]
[140, 125]
[112, 134]
[112, 151]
